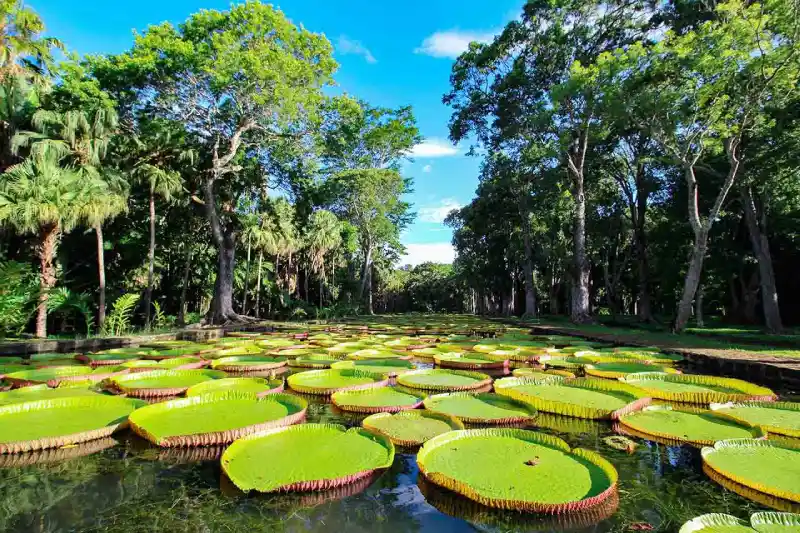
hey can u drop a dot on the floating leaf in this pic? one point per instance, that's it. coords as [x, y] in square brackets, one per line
[326, 382]
[481, 408]
[411, 428]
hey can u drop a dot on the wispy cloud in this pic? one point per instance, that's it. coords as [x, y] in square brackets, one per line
[438, 212]
[427, 169]
[433, 148]
[348, 46]
[451, 43]
[437, 252]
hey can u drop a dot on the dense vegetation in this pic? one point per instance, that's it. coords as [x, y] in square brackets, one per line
[637, 159]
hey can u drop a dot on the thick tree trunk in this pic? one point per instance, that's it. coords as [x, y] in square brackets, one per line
[181, 320]
[579, 312]
[246, 279]
[49, 236]
[258, 285]
[644, 310]
[151, 257]
[101, 276]
[221, 309]
[760, 242]
[691, 281]
[529, 282]
[698, 312]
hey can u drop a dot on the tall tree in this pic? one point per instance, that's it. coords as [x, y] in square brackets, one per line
[323, 235]
[238, 80]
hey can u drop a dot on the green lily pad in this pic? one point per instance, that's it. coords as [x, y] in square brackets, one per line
[326, 382]
[332, 456]
[311, 360]
[674, 426]
[51, 375]
[60, 422]
[214, 419]
[582, 398]
[444, 380]
[411, 428]
[41, 392]
[616, 370]
[541, 374]
[779, 418]
[764, 522]
[376, 400]
[160, 383]
[481, 408]
[518, 469]
[690, 388]
[257, 386]
[248, 363]
[182, 363]
[761, 465]
[99, 359]
[8, 369]
[468, 361]
[373, 354]
[388, 367]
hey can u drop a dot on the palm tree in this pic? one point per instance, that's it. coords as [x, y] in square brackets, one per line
[153, 156]
[22, 49]
[323, 235]
[264, 237]
[42, 197]
[108, 198]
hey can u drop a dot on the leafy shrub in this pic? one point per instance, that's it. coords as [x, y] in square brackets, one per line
[18, 295]
[118, 321]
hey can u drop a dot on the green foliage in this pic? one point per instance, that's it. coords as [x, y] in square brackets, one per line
[18, 296]
[63, 300]
[118, 322]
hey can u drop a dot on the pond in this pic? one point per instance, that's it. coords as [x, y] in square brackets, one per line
[127, 485]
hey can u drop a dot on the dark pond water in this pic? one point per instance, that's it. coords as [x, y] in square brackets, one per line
[130, 486]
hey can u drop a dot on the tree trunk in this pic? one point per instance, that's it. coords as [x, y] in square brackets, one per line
[151, 256]
[246, 279]
[221, 309]
[258, 285]
[49, 236]
[579, 312]
[644, 309]
[692, 281]
[101, 275]
[530, 286]
[698, 313]
[760, 242]
[370, 309]
[181, 320]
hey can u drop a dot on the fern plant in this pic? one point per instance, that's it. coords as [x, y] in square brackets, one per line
[63, 300]
[118, 322]
[161, 320]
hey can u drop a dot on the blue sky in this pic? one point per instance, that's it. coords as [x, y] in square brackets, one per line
[388, 56]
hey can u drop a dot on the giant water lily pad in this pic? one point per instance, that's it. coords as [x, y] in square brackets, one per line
[332, 456]
[248, 363]
[525, 372]
[481, 408]
[52, 375]
[779, 418]
[689, 388]
[311, 360]
[518, 469]
[388, 367]
[9, 368]
[616, 370]
[765, 522]
[56, 422]
[444, 380]
[258, 386]
[376, 400]
[582, 398]
[160, 383]
[411, 428]
[42, 392]
[173, 363]
[469, 361]
[373, 354]
[101, 359]
[326, 382]
[675, 426]
[761, 465]
[213, 419]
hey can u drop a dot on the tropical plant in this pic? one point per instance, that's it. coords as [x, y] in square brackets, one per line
[18, 296]
[63, 300]
[323, 235]
[118, 321]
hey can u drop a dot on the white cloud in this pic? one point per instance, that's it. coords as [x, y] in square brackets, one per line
[437, 213]
[451, 43]
[437, 252]
[427, 169]
[347, 46]
[433, 148]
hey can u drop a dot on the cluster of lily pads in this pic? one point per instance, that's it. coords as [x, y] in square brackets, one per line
[467, 393]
